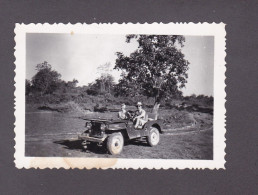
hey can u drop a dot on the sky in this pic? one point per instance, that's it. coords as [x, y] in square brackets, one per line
[79, 56]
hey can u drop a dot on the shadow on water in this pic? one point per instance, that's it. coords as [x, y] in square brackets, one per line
[77, 145]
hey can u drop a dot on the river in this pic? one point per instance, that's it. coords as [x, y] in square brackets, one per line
[45, 123]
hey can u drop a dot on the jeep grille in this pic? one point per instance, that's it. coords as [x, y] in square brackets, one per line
[95, 129]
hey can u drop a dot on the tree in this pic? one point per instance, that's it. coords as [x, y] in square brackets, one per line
[103, 84]
[46, 80]
[156, 69]
[105, 68]
[106, 80]
[27, 87]
[72, 84]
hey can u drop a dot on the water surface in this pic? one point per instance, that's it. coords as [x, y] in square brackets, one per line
[52, 123]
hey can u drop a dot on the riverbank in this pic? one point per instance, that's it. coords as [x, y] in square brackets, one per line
[172, 118]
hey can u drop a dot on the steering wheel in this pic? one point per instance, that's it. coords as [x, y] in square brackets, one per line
[130, 114]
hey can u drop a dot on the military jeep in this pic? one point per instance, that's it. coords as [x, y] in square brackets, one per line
[113, 133]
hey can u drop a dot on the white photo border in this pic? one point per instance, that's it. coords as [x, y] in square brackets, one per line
[219, 130]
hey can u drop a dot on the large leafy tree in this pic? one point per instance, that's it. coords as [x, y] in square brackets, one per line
[46, 80]
[156, 69]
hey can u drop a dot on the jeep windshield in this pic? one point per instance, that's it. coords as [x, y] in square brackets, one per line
[104, 120]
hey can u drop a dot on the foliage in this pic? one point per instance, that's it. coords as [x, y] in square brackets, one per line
[199, 100]
[156, 69]
[28, 87]
[102, 85]
[72, 84]
[46, 80]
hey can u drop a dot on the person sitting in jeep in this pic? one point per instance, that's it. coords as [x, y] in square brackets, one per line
[123, 113]
[142, 117]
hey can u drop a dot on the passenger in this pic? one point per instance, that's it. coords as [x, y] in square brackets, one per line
[122, 113]
[141, 119]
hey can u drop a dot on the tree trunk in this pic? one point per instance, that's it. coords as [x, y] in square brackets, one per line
[155, 109]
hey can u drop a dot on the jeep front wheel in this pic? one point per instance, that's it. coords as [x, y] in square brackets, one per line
[115, 143]
[153, 138]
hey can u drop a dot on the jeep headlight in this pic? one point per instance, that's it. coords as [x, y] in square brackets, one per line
[88, 125]
[103, 127]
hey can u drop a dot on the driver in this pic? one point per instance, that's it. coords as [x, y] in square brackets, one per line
[122, 113]
[141, 119]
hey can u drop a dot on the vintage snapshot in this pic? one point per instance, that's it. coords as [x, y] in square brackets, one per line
[120, 96]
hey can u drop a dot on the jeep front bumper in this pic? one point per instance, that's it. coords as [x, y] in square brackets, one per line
[86, 137]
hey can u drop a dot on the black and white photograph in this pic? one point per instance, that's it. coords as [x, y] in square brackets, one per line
[122, 96]
[128, 97]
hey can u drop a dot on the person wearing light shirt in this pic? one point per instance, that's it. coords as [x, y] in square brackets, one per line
[122, 113]
[141, 119]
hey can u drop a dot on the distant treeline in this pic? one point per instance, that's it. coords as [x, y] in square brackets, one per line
[48, 81]
[47, 87]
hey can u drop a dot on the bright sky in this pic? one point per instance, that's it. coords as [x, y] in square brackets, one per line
[78, 56]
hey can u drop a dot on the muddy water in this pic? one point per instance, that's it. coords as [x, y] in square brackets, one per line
[51, 123]
[46, 134]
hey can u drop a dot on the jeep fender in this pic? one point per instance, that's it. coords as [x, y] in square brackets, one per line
[155, 124]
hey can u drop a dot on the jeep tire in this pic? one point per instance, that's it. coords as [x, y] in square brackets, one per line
[153, 138]
[115, 143]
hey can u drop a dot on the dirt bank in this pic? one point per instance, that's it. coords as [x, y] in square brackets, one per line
[172, 118]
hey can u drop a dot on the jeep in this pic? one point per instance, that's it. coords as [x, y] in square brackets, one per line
[113, 133]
